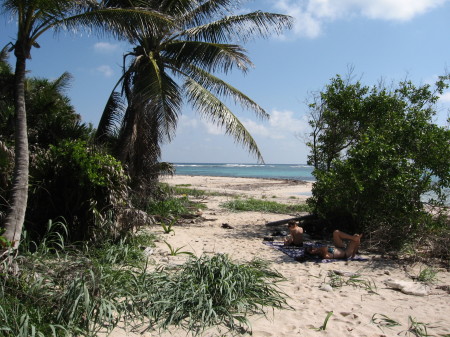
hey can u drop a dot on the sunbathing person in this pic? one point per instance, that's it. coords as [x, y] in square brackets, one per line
[340, 251]
[295, 237]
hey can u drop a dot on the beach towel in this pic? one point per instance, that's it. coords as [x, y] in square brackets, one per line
[299, 252]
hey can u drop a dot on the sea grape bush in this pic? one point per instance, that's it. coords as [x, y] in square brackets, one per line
[376, 154]
[79, 183]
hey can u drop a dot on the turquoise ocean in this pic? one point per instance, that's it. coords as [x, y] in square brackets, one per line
[266, 171]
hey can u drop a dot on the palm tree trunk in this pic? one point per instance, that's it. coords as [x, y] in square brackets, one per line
[19, 194]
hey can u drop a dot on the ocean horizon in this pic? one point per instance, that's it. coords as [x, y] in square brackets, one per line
[238, 170]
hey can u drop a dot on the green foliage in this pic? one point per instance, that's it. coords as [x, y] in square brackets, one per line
[176, 251]
[167, 227]
[4, 243]
[337, 281]
[376, 154]
[127, 251]
[427, 275]
[50, 116]
[172, 206]
[264, 206]
[416, 328]
[63, 290]
[185, 190]
[383, 321]
[81, 291]
[323, 327]
[84, 186]
[214, 291]
[179, 65]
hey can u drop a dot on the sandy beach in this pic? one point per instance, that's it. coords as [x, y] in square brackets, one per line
[307, 284]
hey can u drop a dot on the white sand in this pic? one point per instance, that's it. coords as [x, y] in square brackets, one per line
[353, 307]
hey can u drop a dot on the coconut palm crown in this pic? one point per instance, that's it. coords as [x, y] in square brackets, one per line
[177, 66]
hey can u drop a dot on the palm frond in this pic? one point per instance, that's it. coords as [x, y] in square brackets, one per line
[209, 56]
[243, 27]
[122, 23]
[212, 109]
[62, 82]
[175, 8]
[127, 133]
[221, 88]
[160, 94]
[5, 67]
[205, 10]
[111, 119]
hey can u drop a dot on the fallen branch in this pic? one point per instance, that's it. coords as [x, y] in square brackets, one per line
[285, 221]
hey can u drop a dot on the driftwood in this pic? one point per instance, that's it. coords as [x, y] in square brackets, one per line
[285, 221]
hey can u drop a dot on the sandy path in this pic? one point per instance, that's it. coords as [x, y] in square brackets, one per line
[353, 307]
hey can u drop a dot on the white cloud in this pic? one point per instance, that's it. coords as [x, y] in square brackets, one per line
[445, 97]
[257, 129]
[311, 15]
[285, 121]
[281, 125]
[105, 47]
[106, 70]
[184, 122]
[212, 129]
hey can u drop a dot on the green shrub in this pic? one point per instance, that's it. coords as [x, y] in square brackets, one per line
[183, 190]
[377, 154]
[172, 206]
[75, 181]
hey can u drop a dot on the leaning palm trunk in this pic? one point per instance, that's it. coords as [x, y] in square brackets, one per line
[19, 193]
[177, 67]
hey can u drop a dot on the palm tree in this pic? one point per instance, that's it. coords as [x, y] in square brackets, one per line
[34, 18]
[179, 63]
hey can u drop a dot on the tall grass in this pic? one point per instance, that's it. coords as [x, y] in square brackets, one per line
[79, 291]
[214, 291]
[257, 205]
[173, 206]
[70, 290]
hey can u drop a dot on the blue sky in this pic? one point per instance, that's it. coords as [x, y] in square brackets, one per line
[387, 40]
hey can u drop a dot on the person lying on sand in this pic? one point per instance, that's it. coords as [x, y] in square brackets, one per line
[340, 251]
[295, 237]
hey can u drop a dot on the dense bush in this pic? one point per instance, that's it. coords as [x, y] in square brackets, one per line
[51, 119]
[376, 156]
[80, 184]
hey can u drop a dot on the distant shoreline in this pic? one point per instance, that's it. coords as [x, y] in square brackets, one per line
[285, 190]
[297, 172]
[299, 181]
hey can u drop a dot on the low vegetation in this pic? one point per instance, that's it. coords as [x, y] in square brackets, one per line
[196, 193]
[336, 280]
[61, 290]
[414, 328]
[173, 206]
[214, 291]
[427, 275]
[257, 205]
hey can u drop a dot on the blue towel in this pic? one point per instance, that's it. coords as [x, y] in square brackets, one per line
[299, 252]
